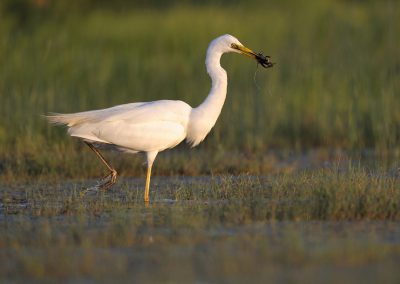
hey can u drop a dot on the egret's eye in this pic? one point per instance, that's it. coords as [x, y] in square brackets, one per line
[234, 46]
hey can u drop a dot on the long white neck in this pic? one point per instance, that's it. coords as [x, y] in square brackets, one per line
[214, 102]
[204, 117]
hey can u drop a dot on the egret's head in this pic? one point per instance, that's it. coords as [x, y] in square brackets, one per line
[232, 44]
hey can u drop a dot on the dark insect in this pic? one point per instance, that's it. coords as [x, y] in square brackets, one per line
[264, 60]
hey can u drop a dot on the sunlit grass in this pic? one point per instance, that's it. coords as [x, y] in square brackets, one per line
[326, 194]
[229, 227]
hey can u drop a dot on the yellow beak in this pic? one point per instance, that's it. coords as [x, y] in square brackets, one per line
[244, 50]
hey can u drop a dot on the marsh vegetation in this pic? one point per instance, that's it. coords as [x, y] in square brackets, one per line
[323, 225]
[298, 181]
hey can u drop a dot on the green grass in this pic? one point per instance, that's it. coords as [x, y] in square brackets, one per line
[327, 194]
[328, 225]
[334, 85]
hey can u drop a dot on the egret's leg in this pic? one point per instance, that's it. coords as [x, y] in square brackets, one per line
[112, 176]
[150, 159]
[147, 188]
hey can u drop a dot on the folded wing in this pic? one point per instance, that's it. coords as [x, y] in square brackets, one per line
[137, 126]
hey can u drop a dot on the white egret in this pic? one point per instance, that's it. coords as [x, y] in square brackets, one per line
[151, 127]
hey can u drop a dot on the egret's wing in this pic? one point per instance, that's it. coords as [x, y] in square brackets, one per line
[141, 127]
[163, 110]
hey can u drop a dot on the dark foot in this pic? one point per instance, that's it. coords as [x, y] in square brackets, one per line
[106, 182]
[109, 180]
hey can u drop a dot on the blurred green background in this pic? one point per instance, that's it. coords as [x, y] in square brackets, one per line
[335, 86]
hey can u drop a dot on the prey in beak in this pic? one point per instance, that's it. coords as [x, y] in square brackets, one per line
[262, 59]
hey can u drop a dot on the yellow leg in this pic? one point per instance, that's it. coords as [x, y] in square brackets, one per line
[147, 188]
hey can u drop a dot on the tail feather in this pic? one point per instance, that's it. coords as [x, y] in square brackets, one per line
[65, 119]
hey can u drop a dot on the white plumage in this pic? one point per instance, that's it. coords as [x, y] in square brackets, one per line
[152, 127]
